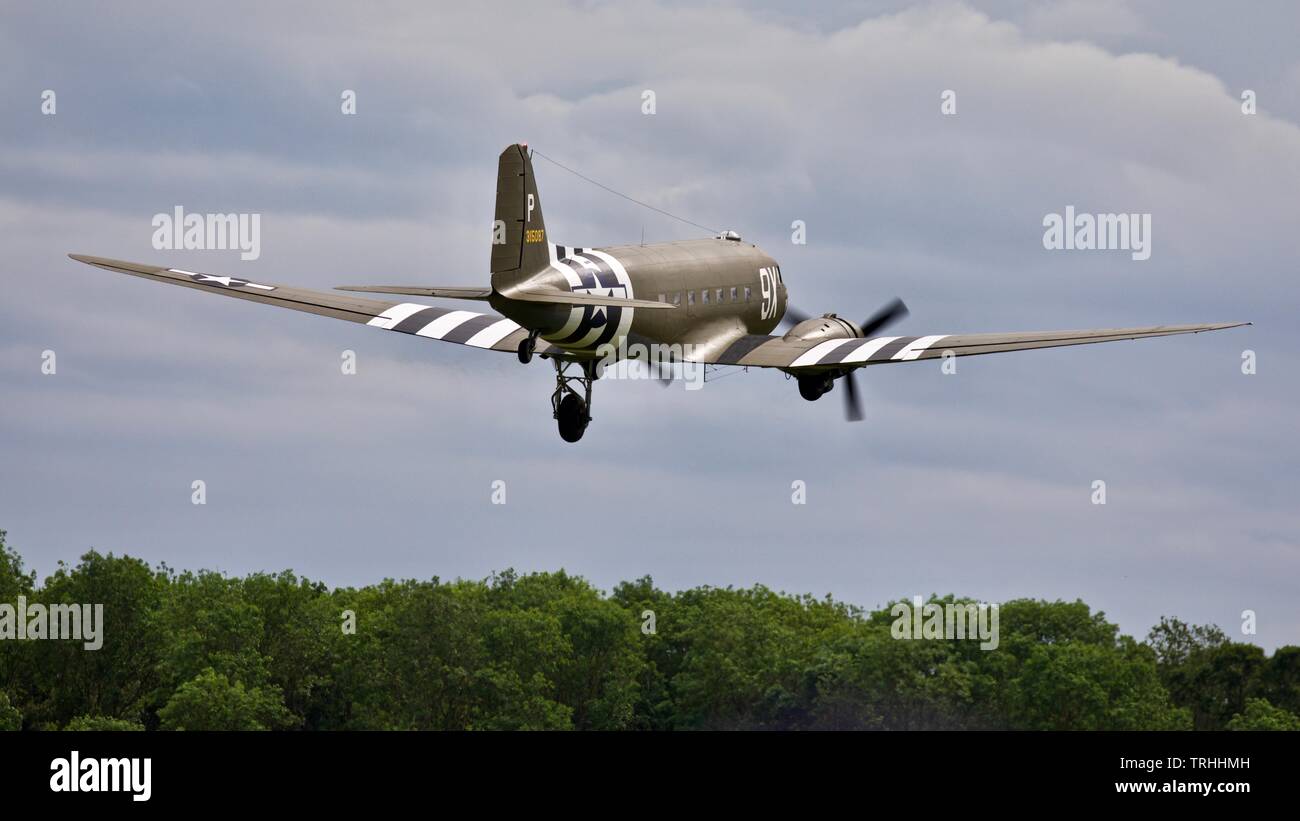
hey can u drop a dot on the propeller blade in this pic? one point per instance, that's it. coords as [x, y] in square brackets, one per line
[665, 368]
[793, 316]
[885, 317]
[852, 407]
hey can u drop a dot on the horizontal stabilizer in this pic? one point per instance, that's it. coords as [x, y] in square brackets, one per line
[444, 293]
[559, 297]
[555, 297]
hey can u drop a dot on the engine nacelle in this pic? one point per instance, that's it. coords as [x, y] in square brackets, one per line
[827, 326]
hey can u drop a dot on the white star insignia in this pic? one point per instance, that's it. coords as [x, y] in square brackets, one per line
[226, 281]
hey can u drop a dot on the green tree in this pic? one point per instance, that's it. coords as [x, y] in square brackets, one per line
[10, 718]
[117, 680]
[15, 660]
[103, 724]
[413, 661]
[210, 624]
[14, 580]
[1221, 679]
[1175, 641]
[744, 655]
[527, 650]
[1077, 686]
[1027, 623]
[200, 650]
[1260, 715]
[1279, 680]
[653, 612]
[596, 673]
[298, 620]
[212, 701]
[870, 680]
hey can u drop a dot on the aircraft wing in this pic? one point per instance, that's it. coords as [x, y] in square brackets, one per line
[839, 354]
[478, 330]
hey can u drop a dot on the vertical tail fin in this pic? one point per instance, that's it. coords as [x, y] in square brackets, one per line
[519, 238]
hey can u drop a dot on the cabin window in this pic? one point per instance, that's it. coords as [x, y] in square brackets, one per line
[746, 293]
[704, 297]
[690, 298]
[663, 297]
[677, 297]
[733, 293]
[719, 296]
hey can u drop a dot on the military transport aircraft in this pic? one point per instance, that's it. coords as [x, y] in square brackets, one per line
[719, 298]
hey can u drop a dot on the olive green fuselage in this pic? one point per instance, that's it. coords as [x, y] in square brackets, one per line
[721, 289]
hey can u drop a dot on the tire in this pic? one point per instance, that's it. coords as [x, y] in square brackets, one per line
[812, 387]
[572, 417]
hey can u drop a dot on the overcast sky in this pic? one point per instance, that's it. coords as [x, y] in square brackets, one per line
[977, 483]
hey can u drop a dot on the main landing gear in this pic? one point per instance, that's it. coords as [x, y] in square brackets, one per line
[570, 405]
[526, 347]
[572, 411]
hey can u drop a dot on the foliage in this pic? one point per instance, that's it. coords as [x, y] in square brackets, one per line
[203, 651]
[1212, 677]
[1260, 715]
[213, 701]
[10, 718]
[103, 724]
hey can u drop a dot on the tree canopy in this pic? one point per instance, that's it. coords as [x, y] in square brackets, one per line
[198, 650]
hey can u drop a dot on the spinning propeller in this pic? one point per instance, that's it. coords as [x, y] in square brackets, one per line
[881, 319]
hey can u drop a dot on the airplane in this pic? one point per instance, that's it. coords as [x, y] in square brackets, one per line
[719, 298]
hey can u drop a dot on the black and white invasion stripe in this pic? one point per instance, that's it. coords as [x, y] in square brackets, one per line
[876, 349]
[464, 327]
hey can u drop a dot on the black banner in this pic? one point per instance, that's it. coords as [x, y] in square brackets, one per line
[136, 771]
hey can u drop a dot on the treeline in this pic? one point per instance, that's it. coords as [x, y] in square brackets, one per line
[198, 650]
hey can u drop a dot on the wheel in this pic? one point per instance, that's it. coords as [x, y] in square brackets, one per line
[812, 387]
[572, 417]
[526, 347]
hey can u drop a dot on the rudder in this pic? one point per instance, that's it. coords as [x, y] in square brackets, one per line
[518, 233]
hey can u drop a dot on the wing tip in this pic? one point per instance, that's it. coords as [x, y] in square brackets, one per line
[120, 265]
[1220, 326]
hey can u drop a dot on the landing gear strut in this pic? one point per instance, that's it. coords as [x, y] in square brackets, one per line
[572, 410]
[526, 347]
